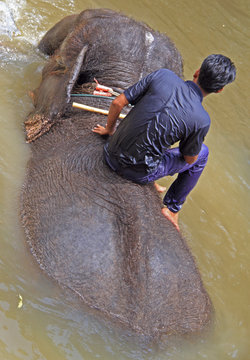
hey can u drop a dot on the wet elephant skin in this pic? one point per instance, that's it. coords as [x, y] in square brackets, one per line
[95, 233]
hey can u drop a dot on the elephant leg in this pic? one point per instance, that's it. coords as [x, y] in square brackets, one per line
[55, 36]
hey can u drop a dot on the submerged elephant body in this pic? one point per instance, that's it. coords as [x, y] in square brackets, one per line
[92, 231]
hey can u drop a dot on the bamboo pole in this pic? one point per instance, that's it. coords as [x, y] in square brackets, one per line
[94, 109]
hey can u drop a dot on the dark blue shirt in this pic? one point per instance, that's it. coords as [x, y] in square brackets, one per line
[166, 110]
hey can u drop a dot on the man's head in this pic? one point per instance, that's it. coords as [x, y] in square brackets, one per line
[215, 72]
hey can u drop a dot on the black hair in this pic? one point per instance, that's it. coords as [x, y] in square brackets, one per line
[216, 71]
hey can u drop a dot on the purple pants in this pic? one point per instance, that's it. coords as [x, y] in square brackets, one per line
[173, 163]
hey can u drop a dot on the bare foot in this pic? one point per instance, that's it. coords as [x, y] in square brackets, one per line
[173, 217]
[159, 188]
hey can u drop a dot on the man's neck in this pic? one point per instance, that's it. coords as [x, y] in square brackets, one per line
[204, 93]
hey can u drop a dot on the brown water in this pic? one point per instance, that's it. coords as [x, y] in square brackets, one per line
[215, 219]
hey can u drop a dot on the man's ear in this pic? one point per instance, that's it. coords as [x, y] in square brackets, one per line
[196, 74]
[218, 91]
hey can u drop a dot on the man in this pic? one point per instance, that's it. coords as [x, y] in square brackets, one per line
[166, 110]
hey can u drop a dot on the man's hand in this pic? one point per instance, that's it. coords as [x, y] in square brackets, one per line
[101, 130]
[190, 159]
[114, 111]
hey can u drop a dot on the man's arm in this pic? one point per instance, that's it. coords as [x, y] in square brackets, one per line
[114, 111]
[133, 94]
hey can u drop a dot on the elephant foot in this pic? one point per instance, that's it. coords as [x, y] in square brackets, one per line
[173, 217]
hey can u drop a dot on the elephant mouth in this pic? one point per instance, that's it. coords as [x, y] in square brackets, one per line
[36, 125]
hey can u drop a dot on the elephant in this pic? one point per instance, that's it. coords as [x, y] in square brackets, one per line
[95, 233]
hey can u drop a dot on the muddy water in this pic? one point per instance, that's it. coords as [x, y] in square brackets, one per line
[214, 219]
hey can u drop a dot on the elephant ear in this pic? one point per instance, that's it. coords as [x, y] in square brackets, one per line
[53, 94]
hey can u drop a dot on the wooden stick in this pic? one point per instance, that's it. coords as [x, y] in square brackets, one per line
[93, 109]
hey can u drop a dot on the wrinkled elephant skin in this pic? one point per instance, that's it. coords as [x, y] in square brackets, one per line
[92, 231]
